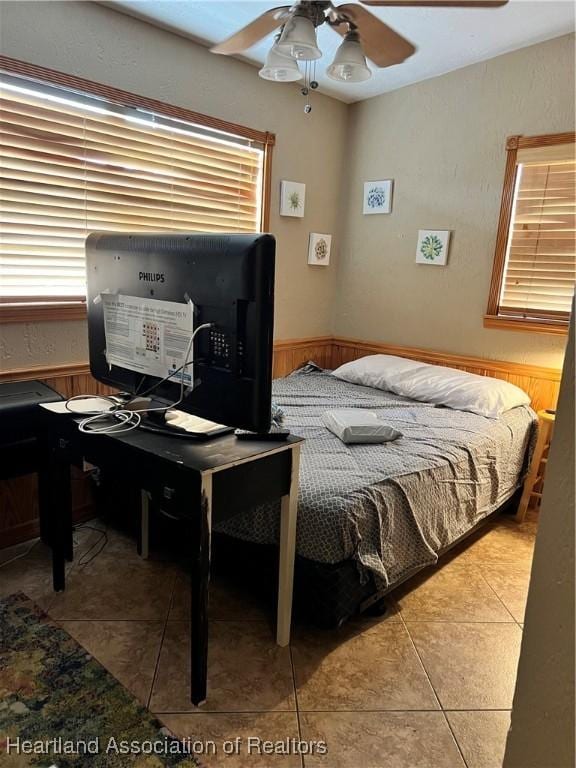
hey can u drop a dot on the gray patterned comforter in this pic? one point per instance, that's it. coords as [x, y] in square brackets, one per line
[393, 506]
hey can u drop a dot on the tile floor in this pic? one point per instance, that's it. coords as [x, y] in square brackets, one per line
[429, 685]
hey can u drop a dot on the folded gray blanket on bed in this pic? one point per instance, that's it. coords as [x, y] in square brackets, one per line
[392, 507]
[355, 425]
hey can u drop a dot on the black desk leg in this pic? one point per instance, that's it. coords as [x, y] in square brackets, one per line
[60, 512]
[44, 491]
[143, 543]
[199, 595]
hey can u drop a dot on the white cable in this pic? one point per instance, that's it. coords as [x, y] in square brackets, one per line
[113, 402]
[19, 556]
[128, 419]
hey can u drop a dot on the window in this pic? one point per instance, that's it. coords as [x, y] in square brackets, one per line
[78, 157]
[535, 260]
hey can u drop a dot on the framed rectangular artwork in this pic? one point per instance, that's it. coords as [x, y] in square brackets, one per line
[292, 199]
[377, 196]
[319, 249]
[432, 246]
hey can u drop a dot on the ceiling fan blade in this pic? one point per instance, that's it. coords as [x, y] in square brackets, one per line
[253, 32]
[438, 3]
[381, 43]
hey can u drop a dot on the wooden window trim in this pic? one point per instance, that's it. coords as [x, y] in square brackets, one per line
[24, 310]
[492, 318]
[525, 324]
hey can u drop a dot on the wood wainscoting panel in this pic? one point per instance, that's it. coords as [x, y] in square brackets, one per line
[19, 506]
[19, 510]
[68, 379]
[292, 354]
[18, 497]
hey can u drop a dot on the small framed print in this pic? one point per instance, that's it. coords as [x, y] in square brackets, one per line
[292, 199]
[319, 249]
[432, 246]
[377, 196]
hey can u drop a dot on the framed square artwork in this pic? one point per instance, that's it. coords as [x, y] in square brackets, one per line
[433, 246]
[292, 199]
[319, 249]
[377, 197]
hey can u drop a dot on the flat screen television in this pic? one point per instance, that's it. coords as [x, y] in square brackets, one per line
[147, 293]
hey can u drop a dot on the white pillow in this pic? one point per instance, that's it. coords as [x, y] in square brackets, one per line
[437, 384]
[460, 390]
[375, 370]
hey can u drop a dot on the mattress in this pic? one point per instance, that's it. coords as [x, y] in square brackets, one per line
[392, 507]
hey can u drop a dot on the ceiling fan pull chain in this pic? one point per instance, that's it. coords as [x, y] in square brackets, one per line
[314, 83]
[305, 90]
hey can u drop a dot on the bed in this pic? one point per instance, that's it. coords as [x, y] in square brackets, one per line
[370, 516]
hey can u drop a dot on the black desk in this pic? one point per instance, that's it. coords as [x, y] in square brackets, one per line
[203, 482]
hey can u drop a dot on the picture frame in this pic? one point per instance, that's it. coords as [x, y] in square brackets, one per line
[432, 247]
[292, 199]
[377, 197]
[319, 246]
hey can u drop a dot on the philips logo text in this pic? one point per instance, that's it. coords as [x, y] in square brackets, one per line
[151, 277]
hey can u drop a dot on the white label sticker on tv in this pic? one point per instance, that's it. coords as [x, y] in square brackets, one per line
[147, 335]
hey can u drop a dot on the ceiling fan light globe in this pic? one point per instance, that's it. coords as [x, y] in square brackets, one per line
[348, 73]
[280, 75]
[280, 68]
[349, 65]
[298, 39]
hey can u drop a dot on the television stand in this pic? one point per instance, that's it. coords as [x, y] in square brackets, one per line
[202, 482]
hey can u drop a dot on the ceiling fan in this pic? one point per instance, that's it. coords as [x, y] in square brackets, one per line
[364, 36]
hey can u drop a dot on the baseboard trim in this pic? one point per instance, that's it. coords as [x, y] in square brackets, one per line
[42, 372]
[311, 341]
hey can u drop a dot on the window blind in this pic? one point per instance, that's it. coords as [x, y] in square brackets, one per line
[72, 164]
[540, 266]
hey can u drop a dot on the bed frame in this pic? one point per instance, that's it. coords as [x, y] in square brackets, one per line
[325, 595]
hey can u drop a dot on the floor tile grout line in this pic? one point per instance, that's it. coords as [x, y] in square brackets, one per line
[199, 711]
[512, 620]
[421, 663]
[157, 665]
[416, 651]
[455, 739]
[302, 762]
[502, 601]
[156, 620]
[205, 711]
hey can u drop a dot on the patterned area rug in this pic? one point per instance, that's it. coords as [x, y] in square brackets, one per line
[55, 698]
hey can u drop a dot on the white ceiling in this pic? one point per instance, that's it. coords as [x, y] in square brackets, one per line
[446, 38]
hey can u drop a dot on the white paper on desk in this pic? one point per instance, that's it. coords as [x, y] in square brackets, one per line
[147, 335]
[79, 406]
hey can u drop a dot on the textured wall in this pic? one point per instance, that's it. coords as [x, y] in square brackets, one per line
[95, 42]
[442, 141]
[542, 733]
[49, 344]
